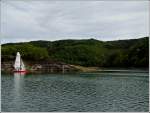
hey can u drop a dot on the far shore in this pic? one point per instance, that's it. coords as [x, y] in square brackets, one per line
[7, 67]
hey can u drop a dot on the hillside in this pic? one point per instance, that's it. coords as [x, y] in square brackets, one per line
[89, 52]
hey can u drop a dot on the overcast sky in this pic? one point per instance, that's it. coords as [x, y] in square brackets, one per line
[54, 20]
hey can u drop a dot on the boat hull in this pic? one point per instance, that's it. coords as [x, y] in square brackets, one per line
[20, 71]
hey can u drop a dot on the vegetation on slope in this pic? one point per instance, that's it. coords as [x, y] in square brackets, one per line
[90, 52]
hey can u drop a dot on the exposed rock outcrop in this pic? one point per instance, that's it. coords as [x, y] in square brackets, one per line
[51, 67]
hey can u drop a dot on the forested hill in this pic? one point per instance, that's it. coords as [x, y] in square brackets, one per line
[90, 52]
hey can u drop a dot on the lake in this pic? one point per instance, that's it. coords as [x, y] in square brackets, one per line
[111, 91]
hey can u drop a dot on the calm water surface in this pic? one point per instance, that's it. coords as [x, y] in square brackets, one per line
[103, 91]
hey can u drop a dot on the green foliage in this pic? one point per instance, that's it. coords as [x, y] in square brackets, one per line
[90, 52]
[27, 51]
[139, 53]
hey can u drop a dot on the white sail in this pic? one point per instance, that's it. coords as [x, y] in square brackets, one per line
[22, 65]
[19, 65]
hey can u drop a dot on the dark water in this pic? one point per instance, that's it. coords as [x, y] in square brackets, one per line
[105, 91]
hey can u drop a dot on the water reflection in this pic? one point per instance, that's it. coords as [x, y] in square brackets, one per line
[18, 88]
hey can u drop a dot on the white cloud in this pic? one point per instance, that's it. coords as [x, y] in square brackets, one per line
[53, 20]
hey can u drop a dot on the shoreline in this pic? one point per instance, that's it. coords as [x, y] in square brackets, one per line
[62, 68]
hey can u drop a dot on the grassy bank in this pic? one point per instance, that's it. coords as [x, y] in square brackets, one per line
[86, 69]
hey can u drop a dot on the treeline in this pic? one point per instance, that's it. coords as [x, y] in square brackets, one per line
[90, 52]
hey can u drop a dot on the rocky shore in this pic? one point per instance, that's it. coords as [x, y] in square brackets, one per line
[43, 66]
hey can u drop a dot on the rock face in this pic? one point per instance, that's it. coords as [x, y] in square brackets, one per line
[51, 67]
[7, 66]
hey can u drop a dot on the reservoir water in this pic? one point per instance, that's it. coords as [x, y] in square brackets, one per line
[87, 92]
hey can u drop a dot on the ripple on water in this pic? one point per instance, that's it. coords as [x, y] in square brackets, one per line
[85, 92]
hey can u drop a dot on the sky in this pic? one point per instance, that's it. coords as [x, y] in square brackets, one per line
[29, 20]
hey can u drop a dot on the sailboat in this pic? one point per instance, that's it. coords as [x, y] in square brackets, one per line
[19, 65]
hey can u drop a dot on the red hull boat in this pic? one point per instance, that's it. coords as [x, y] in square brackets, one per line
[19, 66]
[20, 71]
